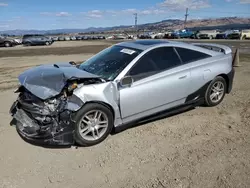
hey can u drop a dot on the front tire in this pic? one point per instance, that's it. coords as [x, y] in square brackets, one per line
[94, 123]
[215, 92]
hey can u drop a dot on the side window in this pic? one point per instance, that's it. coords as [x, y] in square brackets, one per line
[155, 61]
[188, 55]
[165, 58]
[143, 68]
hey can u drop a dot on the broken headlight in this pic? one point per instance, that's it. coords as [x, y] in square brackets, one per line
[72, 86]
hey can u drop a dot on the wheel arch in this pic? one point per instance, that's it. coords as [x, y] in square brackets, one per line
[102, 103]
[226, 79]
[8, 42]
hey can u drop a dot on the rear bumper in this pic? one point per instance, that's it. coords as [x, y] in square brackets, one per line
[29, 130]
[230, 76]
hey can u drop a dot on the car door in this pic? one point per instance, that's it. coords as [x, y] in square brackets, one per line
[40, 40]
[200, 71]
[160, 82]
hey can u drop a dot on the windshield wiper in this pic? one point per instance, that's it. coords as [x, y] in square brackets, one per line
[85, 70]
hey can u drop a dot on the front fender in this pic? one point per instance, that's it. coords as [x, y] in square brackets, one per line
[106, 93]
[74, 103]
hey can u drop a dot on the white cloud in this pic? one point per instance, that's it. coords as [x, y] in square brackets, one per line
[3, 4]
[4, 26]
[95, 15]
[96, 11]
[111, 11]
[176, 5]
[152, 12]
[108, 13]
[131, 11]
[244, 1]
[62, 14]
[46, 13]
[59, 14]
[239, 1]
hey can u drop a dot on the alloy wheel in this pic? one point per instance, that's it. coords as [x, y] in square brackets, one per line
[217, 91]
[93, 125]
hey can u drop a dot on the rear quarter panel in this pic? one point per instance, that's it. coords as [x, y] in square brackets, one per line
[204, 71]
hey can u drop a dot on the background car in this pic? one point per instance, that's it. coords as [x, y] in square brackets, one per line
[245, 34]
[182, 34]
[228, 34]
[33, 40]
[233, 35]
[207, 34]
[55, 38]
[7, 42]
[144, 36]
[72, 38]
[78, 37]
[86, 37]
[66, 38]
[61, 38]
[18, 41]
[101, 37]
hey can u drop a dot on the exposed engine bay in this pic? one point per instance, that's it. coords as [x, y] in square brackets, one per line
[50, 120]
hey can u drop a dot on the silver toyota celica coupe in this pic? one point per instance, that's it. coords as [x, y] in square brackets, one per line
[66, 103]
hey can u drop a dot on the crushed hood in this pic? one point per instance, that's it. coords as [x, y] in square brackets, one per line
[46, 81]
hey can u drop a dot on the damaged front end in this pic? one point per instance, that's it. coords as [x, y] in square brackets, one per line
[44, 110]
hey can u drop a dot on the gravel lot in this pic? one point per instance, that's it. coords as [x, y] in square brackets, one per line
[200, 148]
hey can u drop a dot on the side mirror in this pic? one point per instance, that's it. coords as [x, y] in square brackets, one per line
[126, 81]
[72, 63]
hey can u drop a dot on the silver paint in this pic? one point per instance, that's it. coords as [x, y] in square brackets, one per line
[157, 92]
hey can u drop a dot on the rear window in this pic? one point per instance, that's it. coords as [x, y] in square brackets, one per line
[188, 55]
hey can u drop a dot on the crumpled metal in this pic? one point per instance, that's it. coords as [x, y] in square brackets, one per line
[46, 81]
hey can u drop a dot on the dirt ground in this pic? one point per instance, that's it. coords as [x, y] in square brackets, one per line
[200, 148]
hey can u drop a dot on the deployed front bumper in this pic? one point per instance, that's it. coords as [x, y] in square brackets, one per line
[28, 129]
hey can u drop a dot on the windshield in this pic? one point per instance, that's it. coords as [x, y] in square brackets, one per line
[110, 62]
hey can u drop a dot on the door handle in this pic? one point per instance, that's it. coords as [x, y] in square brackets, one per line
[182, 77]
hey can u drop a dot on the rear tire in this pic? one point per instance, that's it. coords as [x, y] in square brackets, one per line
[7, 44]
[215, 92]
[87, 126]
[27, 44]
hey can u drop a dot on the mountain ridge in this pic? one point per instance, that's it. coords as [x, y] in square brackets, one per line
[195, 24]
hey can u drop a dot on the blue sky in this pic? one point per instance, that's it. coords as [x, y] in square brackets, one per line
[56, 14]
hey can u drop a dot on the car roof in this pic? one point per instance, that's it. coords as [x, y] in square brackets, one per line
[151, 43]
[145, 44]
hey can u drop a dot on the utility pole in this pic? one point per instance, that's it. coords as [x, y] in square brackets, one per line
[186, 16]
[135, 14]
